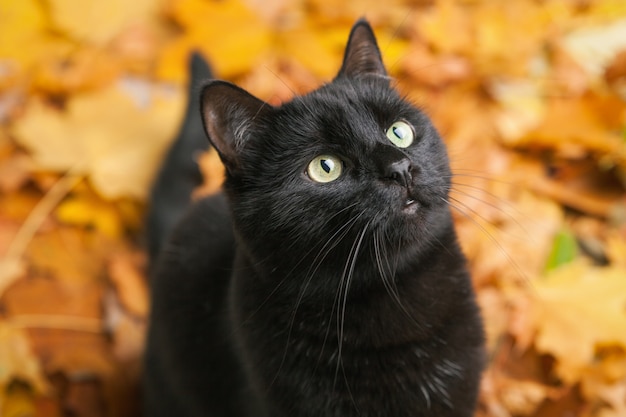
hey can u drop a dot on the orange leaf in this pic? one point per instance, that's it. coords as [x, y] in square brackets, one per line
[578, 308]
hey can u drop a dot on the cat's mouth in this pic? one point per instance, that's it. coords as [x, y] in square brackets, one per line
[410, 205]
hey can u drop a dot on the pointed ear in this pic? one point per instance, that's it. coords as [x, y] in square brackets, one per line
[228, 114]
[362, 55]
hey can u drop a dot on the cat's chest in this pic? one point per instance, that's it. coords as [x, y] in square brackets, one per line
[405, 380]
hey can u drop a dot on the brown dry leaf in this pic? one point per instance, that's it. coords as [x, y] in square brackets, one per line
[522, 397]
[14, 166]
[64, 325]
[10, 271]
[605, 381]
[212, 172]
[81, 70]
[577, 308]
[71, 255]
[130, 284]
[117, 135]
[496, 315]
[128, 331]
[575, 128]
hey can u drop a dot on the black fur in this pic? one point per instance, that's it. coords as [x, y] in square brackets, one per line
[179, 175]
[288, 297]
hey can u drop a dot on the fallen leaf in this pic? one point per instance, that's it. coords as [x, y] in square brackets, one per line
[19, 400]
[248, 35]
[130, 284]
[17, 360]
[115, 135]
[213, 173]
[574, 128]
[10, 271]
[595, 48]
[89, 211]
[14, 172]
[577, 308]
[92, 21]
[71, 255]
[563, 251]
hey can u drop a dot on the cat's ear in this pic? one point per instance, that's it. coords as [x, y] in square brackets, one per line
[228, 114]
[362, 55]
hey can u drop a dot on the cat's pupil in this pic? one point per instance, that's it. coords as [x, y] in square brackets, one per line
[399, 132]
[327, 165]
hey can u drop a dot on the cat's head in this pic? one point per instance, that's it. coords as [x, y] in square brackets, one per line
[349, 161]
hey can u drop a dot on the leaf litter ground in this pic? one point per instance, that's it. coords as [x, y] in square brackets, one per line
[530, 97]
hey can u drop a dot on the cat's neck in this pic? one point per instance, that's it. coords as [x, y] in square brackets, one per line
[375, 300]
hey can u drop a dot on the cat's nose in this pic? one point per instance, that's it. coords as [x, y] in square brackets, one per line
[400, 171]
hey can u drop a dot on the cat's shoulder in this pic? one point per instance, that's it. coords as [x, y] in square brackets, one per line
[202, 241]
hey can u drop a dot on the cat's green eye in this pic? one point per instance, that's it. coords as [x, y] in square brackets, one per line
[401, 134]
[325, 168]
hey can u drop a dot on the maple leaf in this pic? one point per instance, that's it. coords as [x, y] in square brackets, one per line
[21, 23]
[234, 40]
[106, 134]
[578, 308]
[94, 21]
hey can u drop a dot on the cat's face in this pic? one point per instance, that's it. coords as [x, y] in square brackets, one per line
[349, 162]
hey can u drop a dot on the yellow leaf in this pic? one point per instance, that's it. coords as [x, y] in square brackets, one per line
[595, 48]
[318, 52]
[228, 32]
[21, 23]
[579, 308]
[17, 359]
[96, 21]
[116, 135]
[89, 211]
[19, 401]
[616, 248]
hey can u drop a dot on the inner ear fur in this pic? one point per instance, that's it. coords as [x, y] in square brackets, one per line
[229, 113]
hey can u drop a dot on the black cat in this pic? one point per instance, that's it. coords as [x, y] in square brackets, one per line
[327, 279]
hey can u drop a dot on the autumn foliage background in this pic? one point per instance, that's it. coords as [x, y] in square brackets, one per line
[529, 95]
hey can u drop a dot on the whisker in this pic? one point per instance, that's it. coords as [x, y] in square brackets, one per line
[288, 275]
[492, 239]
[345, 287]
[494, 206]
[331, 243]
[389, 282]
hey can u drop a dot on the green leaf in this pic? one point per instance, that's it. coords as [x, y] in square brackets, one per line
[564, 250]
